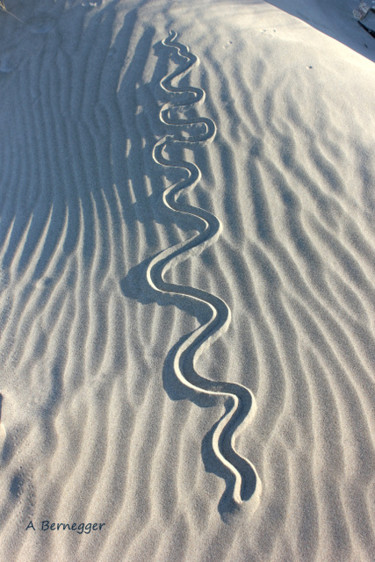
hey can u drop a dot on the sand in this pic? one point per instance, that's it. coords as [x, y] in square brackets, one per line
[187, 296]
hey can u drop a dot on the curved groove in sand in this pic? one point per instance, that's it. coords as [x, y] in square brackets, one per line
[242, 472]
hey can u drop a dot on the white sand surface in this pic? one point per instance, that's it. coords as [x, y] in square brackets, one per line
[187, 294]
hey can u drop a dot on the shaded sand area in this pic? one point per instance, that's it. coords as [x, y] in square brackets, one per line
[187, 295]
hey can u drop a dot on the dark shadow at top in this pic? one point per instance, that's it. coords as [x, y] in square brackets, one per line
[334, 19]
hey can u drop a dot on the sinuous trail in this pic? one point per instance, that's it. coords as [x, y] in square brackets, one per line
[240, 474]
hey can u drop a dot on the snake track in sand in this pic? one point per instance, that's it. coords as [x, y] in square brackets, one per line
[240, 474]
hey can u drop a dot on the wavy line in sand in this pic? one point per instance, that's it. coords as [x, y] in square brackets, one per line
[244, 481]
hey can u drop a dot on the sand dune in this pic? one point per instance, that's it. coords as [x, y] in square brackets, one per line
[186, 308]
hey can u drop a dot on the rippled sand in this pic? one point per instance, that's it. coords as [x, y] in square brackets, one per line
[200, 380]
